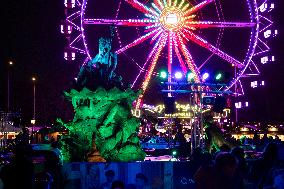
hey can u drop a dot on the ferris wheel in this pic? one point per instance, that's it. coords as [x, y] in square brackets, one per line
[189, 35]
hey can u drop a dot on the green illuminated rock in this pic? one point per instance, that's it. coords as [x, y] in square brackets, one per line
[106, 116]
[103, 124]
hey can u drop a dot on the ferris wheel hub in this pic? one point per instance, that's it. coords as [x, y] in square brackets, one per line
[172, 19]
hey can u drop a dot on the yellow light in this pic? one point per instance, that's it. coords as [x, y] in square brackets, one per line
[272, 129]
[33, 121]
[244, 129]
[171, 19]
[33, 79]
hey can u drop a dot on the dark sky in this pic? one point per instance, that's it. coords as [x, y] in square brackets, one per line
[31, 38]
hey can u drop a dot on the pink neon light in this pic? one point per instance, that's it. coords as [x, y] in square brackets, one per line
[148, 59]
[129, 22]
[188, 35]
[155, 31]
[183, 66]
[142, 8]
[137, 41]
[188, 58]
[210, 24]
[198, 7]
[151, 69]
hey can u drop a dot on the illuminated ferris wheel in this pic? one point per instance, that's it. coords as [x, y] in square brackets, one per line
[188, 35]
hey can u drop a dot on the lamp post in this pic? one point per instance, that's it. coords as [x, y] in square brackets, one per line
[8, 85]
[34, 105]
[236, 109]
[34, 97]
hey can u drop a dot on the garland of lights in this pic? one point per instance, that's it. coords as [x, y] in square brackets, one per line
[174, 23]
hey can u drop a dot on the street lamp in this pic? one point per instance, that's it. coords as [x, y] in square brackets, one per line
[33, 121]
[34, 90]
[8, 85]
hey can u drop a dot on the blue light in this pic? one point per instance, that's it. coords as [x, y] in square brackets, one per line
[205, 76]
[178, 75]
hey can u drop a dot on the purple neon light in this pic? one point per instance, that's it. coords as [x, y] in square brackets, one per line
[210, 24]
[129, 22]
[75, 40]
[83, 7]
[152, 25]
[199, 6]
[141, 7]
[253, 42]
[148, 59]
[203, 43]
[137, 41]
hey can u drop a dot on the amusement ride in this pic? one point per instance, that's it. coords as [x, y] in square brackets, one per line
[190, 39]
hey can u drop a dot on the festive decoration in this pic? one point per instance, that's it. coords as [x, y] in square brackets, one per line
[103, 128]
[103, 117]
[174, 24]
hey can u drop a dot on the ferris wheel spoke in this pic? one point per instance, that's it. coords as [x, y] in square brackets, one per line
[170, 55]
[210, 24]
[154, 62]
[138, 41]
[142, 8]
[183, 66]
[188, 58]
[188, 35]
[159, 3]
[151, 68]
[148, 59]
[128, 22]
[198, 7]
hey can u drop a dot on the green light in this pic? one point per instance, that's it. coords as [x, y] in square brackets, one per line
[190, 76]
[218, 76]
[163, 74]
[174, 153]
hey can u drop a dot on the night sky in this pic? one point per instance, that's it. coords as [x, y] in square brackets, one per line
[31, 38]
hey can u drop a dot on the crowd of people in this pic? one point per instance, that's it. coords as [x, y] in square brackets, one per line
[229, 169]
[226, 168]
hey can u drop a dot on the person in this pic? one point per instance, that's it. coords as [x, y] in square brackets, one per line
[242, 168]
[71, 176]
[117, 184]
[20, 172]
[218, 176]
[109, 179]
[279, 181]
[93, 177]
[260, 170]
[225, 148]
[141, 181]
